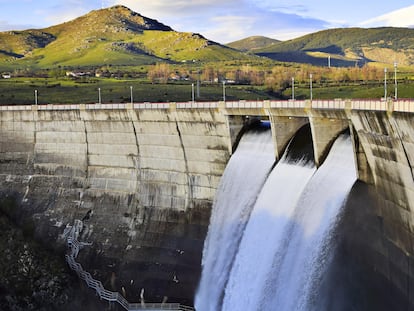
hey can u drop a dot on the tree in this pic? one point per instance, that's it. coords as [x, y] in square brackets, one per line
[159, 72]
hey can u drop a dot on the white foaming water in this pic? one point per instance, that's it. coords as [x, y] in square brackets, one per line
[294, 284]
[239, 187]
[264, 237]
[285, 246]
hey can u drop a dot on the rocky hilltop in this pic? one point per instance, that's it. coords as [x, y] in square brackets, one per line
[115, 35]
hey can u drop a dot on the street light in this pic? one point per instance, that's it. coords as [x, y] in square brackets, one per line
[293, 88]
[224, 90]
[35, 95]
[132, 99]
[395, 81]
[385, 83]
[192, 92]
[99, 95]
[310, 85]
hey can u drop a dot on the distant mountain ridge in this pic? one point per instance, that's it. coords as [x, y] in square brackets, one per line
[253, 43]
[347, 46]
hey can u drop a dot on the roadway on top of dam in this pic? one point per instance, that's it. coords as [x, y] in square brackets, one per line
[258, 108]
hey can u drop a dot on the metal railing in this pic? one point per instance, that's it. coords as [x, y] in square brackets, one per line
[71, 234]
[401, 105]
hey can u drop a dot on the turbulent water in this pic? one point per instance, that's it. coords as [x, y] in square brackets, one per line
[250, 166]
[276, 260]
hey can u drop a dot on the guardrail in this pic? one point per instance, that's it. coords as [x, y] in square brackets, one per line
[71, 233]
[404, 105]
[287, 104]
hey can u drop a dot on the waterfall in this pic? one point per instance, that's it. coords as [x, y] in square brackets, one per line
[240, 185]
[285, 246]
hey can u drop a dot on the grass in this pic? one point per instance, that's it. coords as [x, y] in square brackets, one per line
[49, 90]
[21, 91]
[373, 90]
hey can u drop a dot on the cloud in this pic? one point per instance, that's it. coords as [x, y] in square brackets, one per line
[275, 25]
[230, 20]
[6, 26]
[399, 18]
[283, 6]
[164, 8]
[65, 11]
[230, 28]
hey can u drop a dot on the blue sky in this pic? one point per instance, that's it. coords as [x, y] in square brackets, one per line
[222, 20]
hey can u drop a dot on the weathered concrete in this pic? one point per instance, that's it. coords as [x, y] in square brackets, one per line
[144, 181]
[387, 143]
[283, 129]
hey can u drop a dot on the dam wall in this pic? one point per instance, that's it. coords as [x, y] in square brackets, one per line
[143, 177]
[382, 213]
[143, 180]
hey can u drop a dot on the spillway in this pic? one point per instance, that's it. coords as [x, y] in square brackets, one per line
[285, 247]
[240, 185]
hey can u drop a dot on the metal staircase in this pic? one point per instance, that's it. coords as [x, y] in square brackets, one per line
[71, 234]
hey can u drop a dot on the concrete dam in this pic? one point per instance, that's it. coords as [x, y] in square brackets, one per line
[143, 178]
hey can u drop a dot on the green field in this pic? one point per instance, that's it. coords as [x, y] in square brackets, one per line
[21, 91]
[405, 89]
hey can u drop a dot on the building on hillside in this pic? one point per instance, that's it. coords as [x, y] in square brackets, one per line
[77, 74]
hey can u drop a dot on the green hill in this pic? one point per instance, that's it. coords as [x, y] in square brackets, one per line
[119, 36]
[347, 47]
[253, 43]
[116, 36]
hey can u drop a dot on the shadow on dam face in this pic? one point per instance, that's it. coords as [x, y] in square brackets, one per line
[300, 147]
[362, 275]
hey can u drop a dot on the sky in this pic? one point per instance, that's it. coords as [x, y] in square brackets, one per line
[222, 21]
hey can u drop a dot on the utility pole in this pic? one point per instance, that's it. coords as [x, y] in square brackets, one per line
[99, 96]
[385, 83]
[310, 85]
[132, 99]
[192, 92]
[198, 85]
[293, 88]
[395, 81]
[35, 94]
[224, 90]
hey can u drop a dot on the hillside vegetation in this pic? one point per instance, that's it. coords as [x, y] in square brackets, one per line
[114, 49]
[253, 43]
[347, 47]
[118, 36]
[115, 36]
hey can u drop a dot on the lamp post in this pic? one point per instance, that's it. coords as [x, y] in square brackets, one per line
[310, 86]
[99, 95]
[35, 97]
[224, 90]
[395, 81]
[132, 98]
[192, 92]
[385, 83]
[198, 84]
[293, 88]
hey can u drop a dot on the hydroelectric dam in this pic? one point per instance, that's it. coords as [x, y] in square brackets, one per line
[143, 178]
